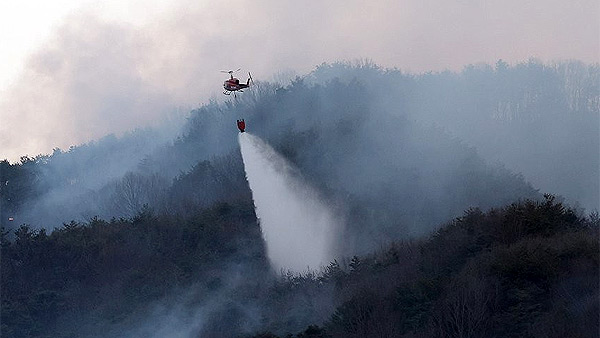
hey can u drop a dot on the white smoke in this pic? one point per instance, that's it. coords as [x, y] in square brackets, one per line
[297, 226]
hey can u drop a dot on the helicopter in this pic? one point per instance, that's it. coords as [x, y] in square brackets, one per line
[233, 85]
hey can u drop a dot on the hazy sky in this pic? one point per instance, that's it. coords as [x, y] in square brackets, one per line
[72, 71]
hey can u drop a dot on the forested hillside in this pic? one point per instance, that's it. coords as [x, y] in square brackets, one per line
[154, 235]
[527, 269]
[104, 278]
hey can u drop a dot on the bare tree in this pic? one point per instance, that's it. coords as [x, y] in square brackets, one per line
[466, 310]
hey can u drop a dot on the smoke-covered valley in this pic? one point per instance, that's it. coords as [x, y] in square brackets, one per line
[156, 231]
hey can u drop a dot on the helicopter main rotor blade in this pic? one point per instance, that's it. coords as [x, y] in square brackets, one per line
[231, 71]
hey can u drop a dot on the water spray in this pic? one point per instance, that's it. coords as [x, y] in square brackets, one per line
[296, 224]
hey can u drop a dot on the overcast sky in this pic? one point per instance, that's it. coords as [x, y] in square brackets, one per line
[73, 71]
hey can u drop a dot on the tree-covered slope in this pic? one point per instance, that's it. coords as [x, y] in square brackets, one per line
[529, 269]
[526, 269]
[98, 278]
[165, 240]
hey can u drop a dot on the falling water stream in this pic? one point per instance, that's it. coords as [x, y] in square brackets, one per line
[296, 224]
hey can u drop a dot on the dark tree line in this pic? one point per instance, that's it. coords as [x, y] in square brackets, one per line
[529, 269]
[88, 279]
